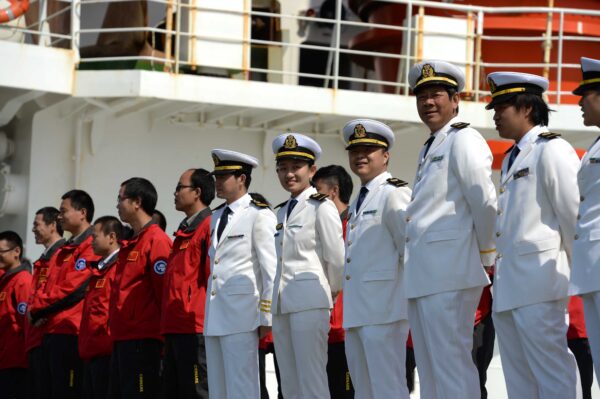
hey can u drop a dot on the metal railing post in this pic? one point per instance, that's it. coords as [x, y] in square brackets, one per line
[408, 49]
[560, 56]
[75, 27]
[477, 71]
[178, 35]
[338, 28]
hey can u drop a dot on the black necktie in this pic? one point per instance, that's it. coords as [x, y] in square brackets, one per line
[223, 222]
[291, 207]
[361, 197]
[513, 155]
[428, 144]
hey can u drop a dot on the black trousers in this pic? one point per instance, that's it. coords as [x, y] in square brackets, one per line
[338, 375]
[65, 377]
[37, 373]
[134, 369]
[184, 367]
[581, 349]
[262, 353]
[13, 383]
[484, 336]
[96, 374]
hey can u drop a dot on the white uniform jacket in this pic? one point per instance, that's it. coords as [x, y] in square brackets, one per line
[310, 254]
[373, 290]
[242, 266]
[450, 219]
[537, 207]
[585, 272]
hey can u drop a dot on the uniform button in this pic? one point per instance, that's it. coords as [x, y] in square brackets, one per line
[576, 236]
[578, 217]
[499, 212]
[214, 276]
[498, 234]
[349, 243]
[502, 190]
[280, 259]
[352, 226]
[213, 293]
[582, 198]
[349, 260]
[407, 219]
[348, 277]
[407, 239]
[216, 261]
[499, 256]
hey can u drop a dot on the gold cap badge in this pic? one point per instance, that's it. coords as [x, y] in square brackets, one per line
[360, 131]
[290, 142]
[427, 71]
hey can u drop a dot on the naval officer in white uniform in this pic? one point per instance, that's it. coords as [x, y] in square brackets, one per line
[585, 274]
[240, 285]
[535, 226]
[310, 261]
[449, 236]
[375, 307]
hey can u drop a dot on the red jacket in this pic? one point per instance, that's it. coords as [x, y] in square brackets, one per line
[576, 319]
[41, 267]
[136, 297]
[61, 300]
[94, 336]
[188, 268]
[15, 288]
[485, 302]
[336, 331]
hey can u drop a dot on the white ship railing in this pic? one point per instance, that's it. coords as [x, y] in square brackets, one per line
[38, 32]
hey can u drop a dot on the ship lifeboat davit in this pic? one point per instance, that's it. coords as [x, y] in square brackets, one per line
[510, 51]
[12, 9]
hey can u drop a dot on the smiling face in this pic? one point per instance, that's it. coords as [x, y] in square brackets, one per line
[436, 107]
[42, 232]
[294, 175]
[9, 255]
[70, 218]
[368, 162]
[590, 107]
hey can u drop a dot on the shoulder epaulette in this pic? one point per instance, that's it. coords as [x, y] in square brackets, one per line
[460, 125]
[318, 197]
[280, 205]
[220, 206]
[510, 149]
[549, 135]
[259, 204]
[397, 182]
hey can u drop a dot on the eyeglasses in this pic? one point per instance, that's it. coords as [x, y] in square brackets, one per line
[178, 187]
[3, 251]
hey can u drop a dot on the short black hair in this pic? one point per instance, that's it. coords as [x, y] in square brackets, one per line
[49, 216]
[204, 180]
[142, 189]
[13, 239]
[248, 180]
[540, 112]
[162, 220]
[111, 224]
[81, 200]
[336, 175]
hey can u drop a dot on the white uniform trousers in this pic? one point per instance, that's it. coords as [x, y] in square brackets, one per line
[232, 362]
[442, 333]
[591, 309]
[535, 357]
[300, 341]
[377, 360]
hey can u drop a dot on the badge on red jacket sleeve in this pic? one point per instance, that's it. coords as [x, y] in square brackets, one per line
[160, 267]
[80, 264]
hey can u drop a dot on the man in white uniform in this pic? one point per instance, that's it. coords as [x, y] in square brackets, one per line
[535, 227]
[310, 261]
[375, 308]
[240, 286]
[449, 236]
[585, 276]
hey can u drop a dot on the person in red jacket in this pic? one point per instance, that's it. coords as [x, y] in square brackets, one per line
[334, 181]
[15, 286]
[577, 339]
[95, 344]
[136, 299]
[184, 295]
[58, 306]
[47, 232]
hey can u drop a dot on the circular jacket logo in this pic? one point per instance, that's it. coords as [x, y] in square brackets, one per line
[160, 267]
[80, 264]
[22, 307]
